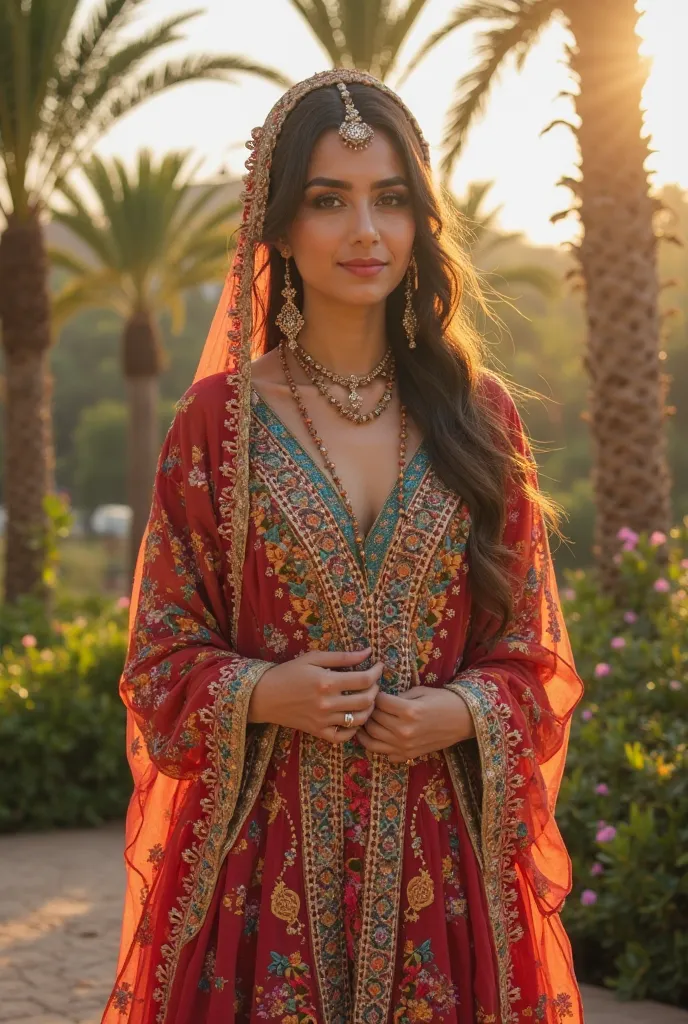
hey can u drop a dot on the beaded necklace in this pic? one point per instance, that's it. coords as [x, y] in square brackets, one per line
[322, 448]
[316, 373]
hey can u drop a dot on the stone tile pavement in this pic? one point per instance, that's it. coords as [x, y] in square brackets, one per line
[60, 902]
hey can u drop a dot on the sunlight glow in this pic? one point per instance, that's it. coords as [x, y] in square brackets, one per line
[664, 30]
[505, 145]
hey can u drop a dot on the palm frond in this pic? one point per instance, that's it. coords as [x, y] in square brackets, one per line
[99, 289]
[494, 46]
[89, 227]
[148, 231]
[31, 37]
[120, 101]
[480, 10]
[397, 29]
[64, 260]
[539, 278]
[187, 234]
[496, 239]
[318, 17]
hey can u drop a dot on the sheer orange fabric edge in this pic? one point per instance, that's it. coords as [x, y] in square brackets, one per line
[154, 793]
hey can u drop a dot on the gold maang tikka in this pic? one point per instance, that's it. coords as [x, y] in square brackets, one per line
[353, 130]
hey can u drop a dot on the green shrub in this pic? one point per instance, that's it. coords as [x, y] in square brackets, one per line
[62, 739]
[623, 808]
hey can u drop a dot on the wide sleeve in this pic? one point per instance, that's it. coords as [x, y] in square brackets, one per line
[187, 690]
[521, 689]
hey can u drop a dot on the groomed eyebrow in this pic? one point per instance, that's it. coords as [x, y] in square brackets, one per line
[398, 179]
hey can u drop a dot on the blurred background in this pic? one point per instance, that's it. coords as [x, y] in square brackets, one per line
[558, 135]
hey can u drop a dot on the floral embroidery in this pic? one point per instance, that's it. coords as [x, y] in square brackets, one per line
[275, 640]
[234, 900]
[292, 1001]
[122, 997]
[357, 781]
[156, 855]
[426, 994]
[198, 477]
[448, 562]
[209, 980]
[184, 402]
[379, 538]
[482, 1017]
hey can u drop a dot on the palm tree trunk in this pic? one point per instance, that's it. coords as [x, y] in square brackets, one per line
[142, 366]
[619, 258]
[25, 315]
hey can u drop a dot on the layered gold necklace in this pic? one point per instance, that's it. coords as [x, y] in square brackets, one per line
[319, 375]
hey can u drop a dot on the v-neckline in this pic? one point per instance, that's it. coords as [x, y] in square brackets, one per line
[413, 474]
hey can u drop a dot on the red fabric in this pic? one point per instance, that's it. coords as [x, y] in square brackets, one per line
[202, 941]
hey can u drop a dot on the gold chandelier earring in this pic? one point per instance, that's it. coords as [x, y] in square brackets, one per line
[289, 319]
[409, 319]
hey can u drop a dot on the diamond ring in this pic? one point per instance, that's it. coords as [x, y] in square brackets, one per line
[348, 720]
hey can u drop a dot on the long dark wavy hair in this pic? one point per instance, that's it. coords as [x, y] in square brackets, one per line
[439, 381]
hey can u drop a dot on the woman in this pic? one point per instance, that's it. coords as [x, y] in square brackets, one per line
[348, 681]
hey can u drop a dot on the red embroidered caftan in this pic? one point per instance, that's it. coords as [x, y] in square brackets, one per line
[276, 877]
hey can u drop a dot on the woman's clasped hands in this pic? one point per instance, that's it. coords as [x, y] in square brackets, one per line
[309, 694]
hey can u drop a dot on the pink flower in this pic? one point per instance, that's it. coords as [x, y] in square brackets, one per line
[684, 563]
[586, 715]
[602, 669]
[674, 684]
[602, 789]
[568, 593]
[588, 897]
[618, 642]
[629, 537]
[617, 559]
[630, 618]
[606, 834]
[597, 869]
[123, 602]
[662, 585]
[29, 641]
[657, 538]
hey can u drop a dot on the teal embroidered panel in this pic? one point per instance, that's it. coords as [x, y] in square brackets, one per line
[381, 533]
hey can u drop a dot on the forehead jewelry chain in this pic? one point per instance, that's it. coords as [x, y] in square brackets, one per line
[322, 448]
[353, 130]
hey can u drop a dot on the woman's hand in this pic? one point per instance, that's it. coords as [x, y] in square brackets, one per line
[307, 694]
[420, 721]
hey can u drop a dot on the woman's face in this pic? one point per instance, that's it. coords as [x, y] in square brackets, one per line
[352, 237]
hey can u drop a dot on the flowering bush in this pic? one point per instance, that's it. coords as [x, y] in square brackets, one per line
[62, 747]
[623, 808]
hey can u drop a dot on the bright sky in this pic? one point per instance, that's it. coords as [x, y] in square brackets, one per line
[215, 119]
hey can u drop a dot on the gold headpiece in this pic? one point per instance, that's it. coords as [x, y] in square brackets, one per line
[353, 130]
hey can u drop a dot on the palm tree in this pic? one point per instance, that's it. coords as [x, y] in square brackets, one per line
[61, 88]
[150, 235]
[364, 34]
[618, 253]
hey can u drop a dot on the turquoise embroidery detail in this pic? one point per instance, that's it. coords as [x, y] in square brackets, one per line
[382, 531]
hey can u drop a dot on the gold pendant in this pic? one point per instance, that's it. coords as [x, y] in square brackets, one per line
[420, 893]
[355, 400]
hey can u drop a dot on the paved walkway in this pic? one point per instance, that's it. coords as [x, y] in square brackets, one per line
[60, 901]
